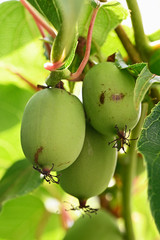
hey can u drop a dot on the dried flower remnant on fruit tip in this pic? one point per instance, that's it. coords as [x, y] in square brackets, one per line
[83, 208]
[123, 139]
[47, 175]
[45, 171]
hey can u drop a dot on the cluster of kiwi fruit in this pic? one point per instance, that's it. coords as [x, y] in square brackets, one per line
[62, 134]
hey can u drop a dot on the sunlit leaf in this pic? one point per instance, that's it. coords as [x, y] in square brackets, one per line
[12, 102]
[49, 10]
[20, 218]
[27, 61]
[19, 179]
[17, 27]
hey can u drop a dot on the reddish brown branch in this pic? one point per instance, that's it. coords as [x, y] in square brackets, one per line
[48, 47]
[88, 47]
[129, 47]
[12, 70]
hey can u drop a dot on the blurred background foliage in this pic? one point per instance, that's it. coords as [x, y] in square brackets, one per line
[29, 209]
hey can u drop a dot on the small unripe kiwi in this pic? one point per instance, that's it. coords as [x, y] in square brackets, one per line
[102, 226]
[53, 129]
[108, 98]
[90, 174]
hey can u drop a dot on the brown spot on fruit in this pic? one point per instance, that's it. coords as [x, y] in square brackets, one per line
[117, 97]
[102, 97]
[36, 156]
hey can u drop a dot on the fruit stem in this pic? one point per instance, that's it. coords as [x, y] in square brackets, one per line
[129, 161]
[142, 43]
[82, 203]
[88, 47]
[129, 47]
[38, 19]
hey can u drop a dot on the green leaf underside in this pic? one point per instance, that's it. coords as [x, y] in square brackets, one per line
[17, 27]
[49, 10]
[18, 180]
[134, 69]
[143, 83]
[69, 12]
[149, 146]
[144, 78]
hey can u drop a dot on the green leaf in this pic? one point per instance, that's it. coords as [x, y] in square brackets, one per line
[134, 69]
[12, 102]
[49, 10]
[113, 44]
[143, 83]
[17, 27]
[108, 17]
[20, 218]
[149, 146]
[28, 61]
[18, 180]
[69, 11]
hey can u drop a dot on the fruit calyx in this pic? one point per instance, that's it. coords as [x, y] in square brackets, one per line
[83, 208]
[123, 139]
[46, 173]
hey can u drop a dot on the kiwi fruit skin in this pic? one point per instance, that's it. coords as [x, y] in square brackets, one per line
[53, 129]
[101, 226]
[108, 98]
[90, 174]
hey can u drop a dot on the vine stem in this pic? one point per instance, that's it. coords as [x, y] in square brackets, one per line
[38, 19]
[129, 47]
[75, 75]
[129, 167]
[142, 43]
